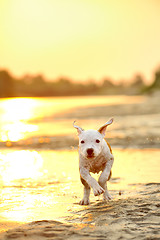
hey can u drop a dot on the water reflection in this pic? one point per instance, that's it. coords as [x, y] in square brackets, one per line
[37, 185]
[25, 205]
[45, 184]
[14, 116]
[16, 131]
[17, 109]
[20, 165]
[22, 118]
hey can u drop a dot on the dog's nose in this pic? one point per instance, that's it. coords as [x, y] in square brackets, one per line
[90, 151]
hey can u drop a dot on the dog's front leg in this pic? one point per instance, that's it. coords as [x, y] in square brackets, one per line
[87, 189]
[104, 177]
[97, 189]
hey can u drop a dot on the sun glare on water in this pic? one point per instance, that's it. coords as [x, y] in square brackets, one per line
[17, 109]
[34, 184]
[18, 165]
[18, 114]
[15, 114]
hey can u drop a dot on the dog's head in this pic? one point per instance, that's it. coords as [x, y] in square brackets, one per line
[90, 141]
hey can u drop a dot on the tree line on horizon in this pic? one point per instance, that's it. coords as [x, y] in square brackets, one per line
[38, 86]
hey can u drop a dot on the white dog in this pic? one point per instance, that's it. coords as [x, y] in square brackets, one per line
[95, 155]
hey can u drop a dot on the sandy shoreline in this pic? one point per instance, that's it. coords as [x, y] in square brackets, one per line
[135, 213]
[136, 125]
[136, 217]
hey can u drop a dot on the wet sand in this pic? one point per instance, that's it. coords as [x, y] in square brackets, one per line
[134, 213]
[136, 124]
[129, 218]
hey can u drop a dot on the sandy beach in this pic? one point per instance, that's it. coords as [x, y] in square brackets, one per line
[40, 200]
[136, 217]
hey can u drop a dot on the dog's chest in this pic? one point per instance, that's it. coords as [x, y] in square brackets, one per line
[97, 165]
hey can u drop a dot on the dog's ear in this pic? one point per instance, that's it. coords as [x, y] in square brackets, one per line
[79, 129]
[102, 129]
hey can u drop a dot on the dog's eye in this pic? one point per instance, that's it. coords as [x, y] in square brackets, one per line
[97, 141]
[82, 141]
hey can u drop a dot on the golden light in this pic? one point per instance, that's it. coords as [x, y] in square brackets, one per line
[80, 39]
[16, 131]
[15, 114]
[25, 210]
[17, 109]
[30, 191]
[20, 165]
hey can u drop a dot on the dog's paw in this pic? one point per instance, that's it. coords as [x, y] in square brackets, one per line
[107, 196]
[98, 190]
[84, 202]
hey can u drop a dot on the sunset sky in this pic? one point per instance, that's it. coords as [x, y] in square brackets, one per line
[80, 39]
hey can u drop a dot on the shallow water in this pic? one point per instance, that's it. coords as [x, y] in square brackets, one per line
[38, 185]
[22, 118]
[39, 177]
[47, 122]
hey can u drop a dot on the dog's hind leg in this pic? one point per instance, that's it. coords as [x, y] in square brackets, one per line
[87, 189]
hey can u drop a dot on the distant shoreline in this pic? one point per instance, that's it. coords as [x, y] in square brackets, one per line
[38, 86]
